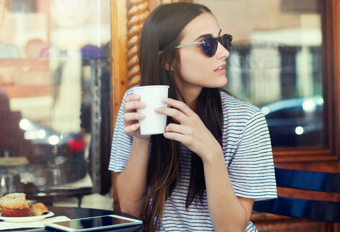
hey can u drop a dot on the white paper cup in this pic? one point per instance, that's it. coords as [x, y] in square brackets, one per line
[152, 95]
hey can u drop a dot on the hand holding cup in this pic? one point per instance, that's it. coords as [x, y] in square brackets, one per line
[153, 123]
[131, 116]
[140, 118]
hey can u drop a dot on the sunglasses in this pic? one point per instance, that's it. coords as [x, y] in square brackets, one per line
[210, 44]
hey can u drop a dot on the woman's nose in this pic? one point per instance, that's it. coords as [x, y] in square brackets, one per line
[222, 52]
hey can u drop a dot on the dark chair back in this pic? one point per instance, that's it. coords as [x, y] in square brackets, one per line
[302, 208]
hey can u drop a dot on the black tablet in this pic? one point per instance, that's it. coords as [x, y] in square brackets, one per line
[94, 223]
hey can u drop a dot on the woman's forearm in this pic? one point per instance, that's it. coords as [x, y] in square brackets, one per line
[131, 182]
[226, 211]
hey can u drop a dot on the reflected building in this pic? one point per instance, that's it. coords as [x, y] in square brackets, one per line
[6, 50]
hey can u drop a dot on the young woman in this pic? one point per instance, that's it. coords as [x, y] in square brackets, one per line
[214, 158]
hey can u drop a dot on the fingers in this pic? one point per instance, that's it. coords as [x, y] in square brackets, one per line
[133, 116]
[180, 105]
[132, 128]
[132, 97]
[180, 112]
[181, 129]
[180, 133]
[132, 102]
[133, 105]
[177, 137]
[174, 113]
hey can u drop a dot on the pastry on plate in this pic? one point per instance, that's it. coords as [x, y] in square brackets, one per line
[14, 205]
[38, 209]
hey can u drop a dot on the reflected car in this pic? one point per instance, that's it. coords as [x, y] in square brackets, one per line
[296, 122]
[45, 141]
[58, 159]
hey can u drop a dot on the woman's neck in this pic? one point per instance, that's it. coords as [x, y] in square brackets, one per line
[190, 95]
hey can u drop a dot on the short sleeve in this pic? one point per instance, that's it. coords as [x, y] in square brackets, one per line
[121, 142]
[251, 168]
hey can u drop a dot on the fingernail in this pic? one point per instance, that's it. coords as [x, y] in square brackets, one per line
[157, 109]
[141, 115]
[165, 99]
[141, 103]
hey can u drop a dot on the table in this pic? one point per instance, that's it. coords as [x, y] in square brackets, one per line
[50, 194]
[74, 213]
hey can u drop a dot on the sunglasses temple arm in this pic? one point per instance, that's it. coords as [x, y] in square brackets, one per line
[189, 44]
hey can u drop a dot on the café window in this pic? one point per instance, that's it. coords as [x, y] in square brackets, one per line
[276, 63]
[55, 96]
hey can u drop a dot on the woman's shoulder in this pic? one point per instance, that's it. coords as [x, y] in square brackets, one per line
[130, 90]
[231, 104]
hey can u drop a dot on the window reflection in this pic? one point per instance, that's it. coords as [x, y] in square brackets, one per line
[6, 50]
[295, 121]
[55, 90]
[276, 64]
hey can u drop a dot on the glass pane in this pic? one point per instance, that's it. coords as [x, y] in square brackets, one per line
[55, 95]
[276, 64]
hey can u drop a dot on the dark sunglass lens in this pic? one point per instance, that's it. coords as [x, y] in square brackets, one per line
[210, 46]
[225, 40]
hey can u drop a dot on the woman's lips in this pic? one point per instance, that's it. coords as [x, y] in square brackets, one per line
[220, 69]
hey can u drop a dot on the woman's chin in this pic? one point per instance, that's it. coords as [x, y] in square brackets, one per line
[221, 82]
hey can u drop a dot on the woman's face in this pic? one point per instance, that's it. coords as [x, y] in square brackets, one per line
[196, 69]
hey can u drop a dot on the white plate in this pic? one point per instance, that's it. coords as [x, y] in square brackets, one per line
[27, 219]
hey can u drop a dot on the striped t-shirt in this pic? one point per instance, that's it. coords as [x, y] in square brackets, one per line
[248, 157]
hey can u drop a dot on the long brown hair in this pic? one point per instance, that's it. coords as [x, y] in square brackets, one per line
[161, 33]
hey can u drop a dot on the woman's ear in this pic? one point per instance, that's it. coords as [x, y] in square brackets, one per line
[166, 66]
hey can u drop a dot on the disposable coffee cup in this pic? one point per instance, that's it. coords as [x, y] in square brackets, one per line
[152, 95]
